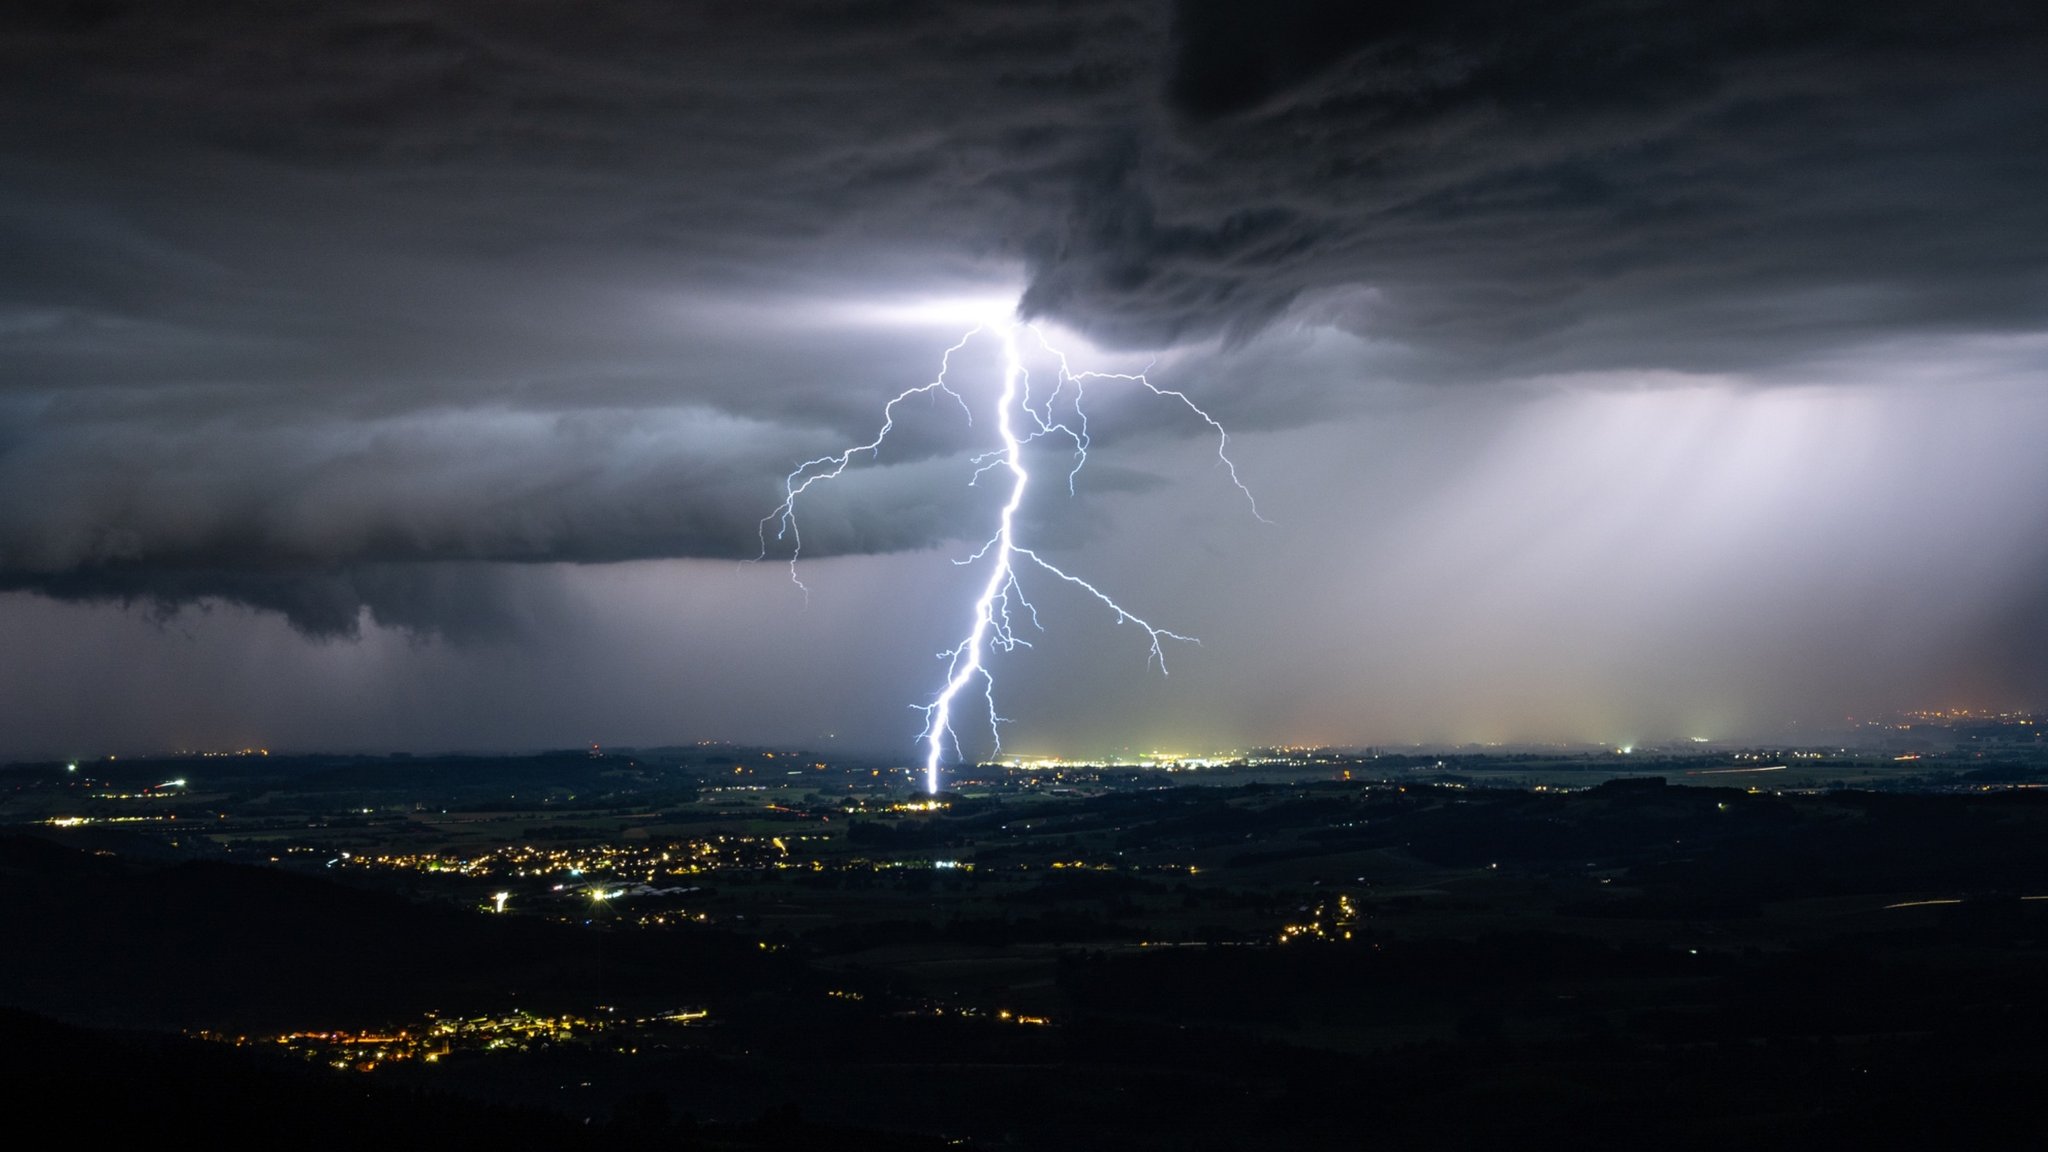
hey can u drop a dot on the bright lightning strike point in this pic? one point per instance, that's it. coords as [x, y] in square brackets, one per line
[1002, 603]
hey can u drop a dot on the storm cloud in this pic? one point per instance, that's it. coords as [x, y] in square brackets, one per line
[336, 310]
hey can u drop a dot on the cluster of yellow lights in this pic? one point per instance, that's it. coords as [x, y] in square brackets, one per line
[1000, 1015]
[863, 863]
[649, 861]
[1332, 921]
[437, 1037]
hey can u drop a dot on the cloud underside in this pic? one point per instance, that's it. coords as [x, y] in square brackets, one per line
[331, 307]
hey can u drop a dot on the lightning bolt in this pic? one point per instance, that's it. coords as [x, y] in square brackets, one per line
[1002, 605]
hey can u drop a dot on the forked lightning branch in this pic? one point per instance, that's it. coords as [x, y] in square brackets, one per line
[1002, 608]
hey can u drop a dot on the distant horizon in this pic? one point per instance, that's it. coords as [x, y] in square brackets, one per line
[910, 755]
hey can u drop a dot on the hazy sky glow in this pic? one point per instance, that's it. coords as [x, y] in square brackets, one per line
[414, 375]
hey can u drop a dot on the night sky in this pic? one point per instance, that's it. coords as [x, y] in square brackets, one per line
[408, 375]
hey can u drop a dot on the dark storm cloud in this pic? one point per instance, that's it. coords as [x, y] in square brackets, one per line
[1579, 185]
[463, 603]
[327, 307]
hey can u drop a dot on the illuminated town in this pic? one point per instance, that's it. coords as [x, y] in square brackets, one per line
[601, 924]
[797, 902]
[434, 1039]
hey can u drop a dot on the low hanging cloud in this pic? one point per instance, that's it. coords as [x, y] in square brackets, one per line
[331, 308]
